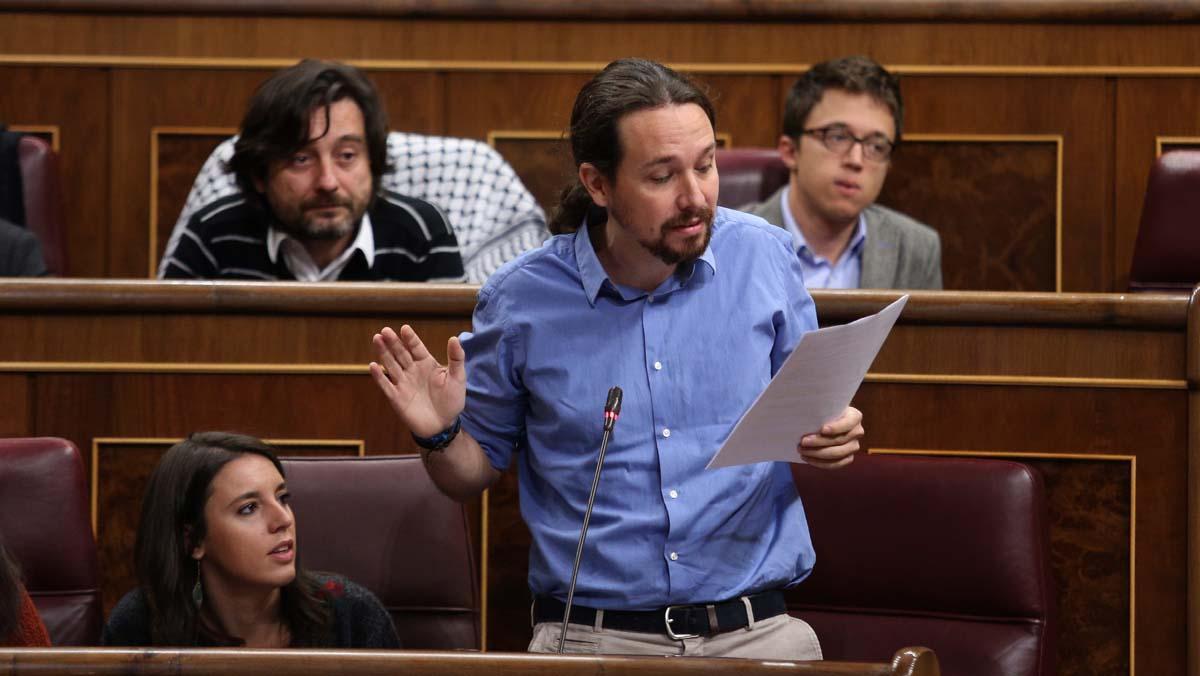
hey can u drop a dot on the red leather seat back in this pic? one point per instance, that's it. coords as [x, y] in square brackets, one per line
[45, 523]
[947, 553]
[749, 175]
[1167, 254]
[381, 522]
[43, 212]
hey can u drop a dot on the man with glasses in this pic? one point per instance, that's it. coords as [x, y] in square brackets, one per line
[841, 123]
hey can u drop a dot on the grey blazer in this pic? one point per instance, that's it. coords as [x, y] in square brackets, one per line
[900, 253]
[20, 252]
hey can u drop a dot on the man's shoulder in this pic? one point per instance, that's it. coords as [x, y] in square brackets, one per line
[900, 225]
[522, 276]
[394, 212]
[229, 215]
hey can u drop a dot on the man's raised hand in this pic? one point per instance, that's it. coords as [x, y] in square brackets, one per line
[425, 394]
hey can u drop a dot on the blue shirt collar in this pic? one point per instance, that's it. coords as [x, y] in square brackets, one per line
[593, 275]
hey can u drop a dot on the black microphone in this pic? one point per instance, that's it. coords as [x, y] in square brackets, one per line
[612, 411]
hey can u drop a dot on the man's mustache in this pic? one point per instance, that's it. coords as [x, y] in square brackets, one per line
[704, 214]
[325, 204]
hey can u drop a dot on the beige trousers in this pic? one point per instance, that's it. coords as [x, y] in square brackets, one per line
[777, 638]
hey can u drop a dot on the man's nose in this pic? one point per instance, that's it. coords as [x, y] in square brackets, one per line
[326, 179]
[691, 194]
[854, 155]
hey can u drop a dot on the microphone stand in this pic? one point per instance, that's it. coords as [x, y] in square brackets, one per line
[612, 410]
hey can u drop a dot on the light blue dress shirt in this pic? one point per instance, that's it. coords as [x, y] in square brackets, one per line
[552, 334]
[818, 272]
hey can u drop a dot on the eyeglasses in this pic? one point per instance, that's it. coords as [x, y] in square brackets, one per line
[838, 139]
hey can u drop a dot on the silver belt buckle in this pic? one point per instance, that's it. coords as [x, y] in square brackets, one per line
[670, 632]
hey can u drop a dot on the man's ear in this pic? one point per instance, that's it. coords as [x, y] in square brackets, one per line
[787, 151]
[260, 185]
[596, 183]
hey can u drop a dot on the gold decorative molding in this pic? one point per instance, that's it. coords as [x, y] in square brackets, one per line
[53, 130]
[495, 135]
[181, 367]
[1033, 381]
[484, 542]
[250, 368]
[155, 133]
[468, 65]
[1057, 140]
[1109, 457]
[1160, 141]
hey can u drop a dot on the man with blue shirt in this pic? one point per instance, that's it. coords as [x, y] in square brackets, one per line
[841, 122]
[691, 310]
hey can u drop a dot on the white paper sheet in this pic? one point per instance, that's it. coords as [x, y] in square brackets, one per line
[814, 385]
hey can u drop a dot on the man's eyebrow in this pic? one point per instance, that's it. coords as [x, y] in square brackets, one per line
[667, 159]
[344, 138]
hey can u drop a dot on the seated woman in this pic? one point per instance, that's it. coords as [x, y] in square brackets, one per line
[216, 556]
[19, 622]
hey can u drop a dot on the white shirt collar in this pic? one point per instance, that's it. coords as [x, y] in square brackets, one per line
[296, 257]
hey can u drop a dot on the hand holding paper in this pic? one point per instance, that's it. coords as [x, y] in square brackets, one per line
[813, 387]
[836, 443]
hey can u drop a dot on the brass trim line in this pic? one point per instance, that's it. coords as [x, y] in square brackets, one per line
[1131, 459]
[484, 558]
[1160, 141]
[53, 130]
[181, 367]
[494, 135]
[1002, 454]
[449, 65]
[155, 133]
[1035, 381]
[360, 369]
[1057, 140]
[357, 444]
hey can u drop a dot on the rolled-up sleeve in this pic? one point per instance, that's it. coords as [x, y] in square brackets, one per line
[496, 399]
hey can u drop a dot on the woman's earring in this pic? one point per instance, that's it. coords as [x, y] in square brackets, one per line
[197, 590]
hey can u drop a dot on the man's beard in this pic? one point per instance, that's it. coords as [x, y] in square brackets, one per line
[691, 248]
[304, 225]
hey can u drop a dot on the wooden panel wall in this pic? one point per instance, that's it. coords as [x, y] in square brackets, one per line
[1089, 389]
[106, 81]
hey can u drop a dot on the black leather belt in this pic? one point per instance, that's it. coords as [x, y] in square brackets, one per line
[678, 622]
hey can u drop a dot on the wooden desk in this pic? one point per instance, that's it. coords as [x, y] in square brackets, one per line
[1097, 391]
[101, 662]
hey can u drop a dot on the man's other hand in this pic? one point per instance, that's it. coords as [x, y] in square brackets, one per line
[837, 442]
